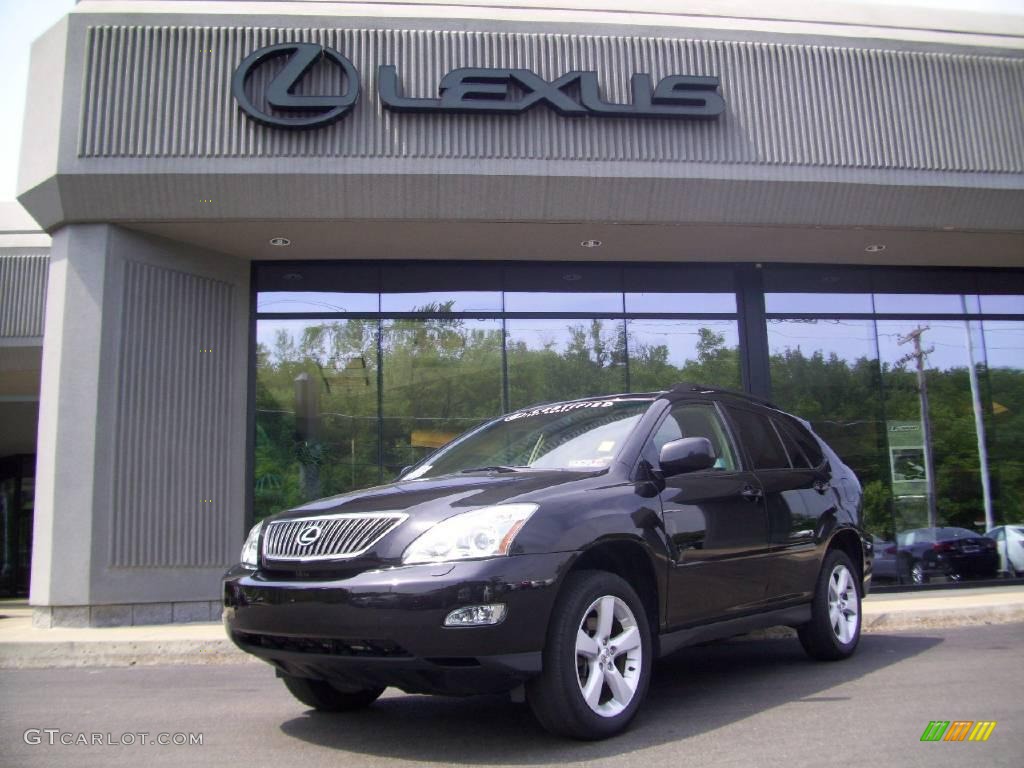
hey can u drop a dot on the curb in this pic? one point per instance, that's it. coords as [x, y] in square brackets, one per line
[941, 618]
[120, 653]
[131, 653]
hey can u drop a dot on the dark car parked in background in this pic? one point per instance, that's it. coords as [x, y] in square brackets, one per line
[555, 553]
[952, 553]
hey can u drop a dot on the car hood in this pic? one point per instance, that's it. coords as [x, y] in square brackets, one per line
[425, 502]
[438, 498]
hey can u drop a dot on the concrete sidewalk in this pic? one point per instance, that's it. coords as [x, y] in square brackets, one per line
[22, 646]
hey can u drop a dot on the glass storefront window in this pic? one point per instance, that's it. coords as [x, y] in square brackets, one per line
[555, 288]
[345, 403]
[890, 303]
[815, 303]
[918, 304]
[667, 352]
[826, 371]
[1004, 422]
[431, 288]
[857, 381]
[954, 479]
[552, 360]
[284, 302]
[320, 288]
[441, 378]
[1002, 305]
[316, 411]
[441, 301]
[551, 302]
[651, 302]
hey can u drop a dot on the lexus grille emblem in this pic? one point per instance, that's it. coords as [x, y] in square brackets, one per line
[306, 110]
[308, 535]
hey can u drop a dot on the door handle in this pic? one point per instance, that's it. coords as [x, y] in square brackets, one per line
[750, 493]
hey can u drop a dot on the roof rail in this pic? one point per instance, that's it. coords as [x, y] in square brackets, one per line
[688, 387]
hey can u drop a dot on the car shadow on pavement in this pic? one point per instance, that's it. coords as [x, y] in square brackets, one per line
[694, 691]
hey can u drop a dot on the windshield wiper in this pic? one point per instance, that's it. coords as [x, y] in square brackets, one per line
[495, 468]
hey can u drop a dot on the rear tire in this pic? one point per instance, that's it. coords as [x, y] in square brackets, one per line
[597, 659]
[834, 629]
[324, 697]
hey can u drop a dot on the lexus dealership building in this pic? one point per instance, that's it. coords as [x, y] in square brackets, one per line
[283, 249]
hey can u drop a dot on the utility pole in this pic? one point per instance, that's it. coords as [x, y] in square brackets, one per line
[918, 355]
[979, 425]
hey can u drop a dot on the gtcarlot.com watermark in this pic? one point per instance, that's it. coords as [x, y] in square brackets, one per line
[57, 737]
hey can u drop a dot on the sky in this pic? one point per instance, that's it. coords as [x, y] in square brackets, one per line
[22, 21]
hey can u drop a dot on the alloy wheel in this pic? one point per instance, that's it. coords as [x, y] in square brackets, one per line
[917, 573]
[843, 607]
[609, 656]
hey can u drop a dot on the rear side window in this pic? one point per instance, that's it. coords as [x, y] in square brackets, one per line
[760, 439]
[796, 455]
[808, 443]
[804, 450]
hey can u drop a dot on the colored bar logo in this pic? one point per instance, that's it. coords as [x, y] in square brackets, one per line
[958, 730]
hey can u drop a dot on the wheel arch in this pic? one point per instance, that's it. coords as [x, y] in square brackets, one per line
[848, 540]
[631, 560]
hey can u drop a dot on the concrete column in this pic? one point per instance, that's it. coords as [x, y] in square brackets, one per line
[142, 467]
[66, 444]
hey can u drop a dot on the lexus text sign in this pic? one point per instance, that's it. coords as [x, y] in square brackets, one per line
[467, 90]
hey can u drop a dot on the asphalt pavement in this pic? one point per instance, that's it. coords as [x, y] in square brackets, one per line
[727, 704]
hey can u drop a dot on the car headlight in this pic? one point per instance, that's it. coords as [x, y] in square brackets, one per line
[487, 532]
[251, 548]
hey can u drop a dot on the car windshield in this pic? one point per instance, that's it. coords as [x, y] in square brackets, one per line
[579, 435]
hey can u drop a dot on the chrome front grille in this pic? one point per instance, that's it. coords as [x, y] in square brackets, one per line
[332, 537]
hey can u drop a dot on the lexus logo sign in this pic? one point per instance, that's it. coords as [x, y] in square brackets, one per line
[308, 535]
[311, 111]
[466, 90]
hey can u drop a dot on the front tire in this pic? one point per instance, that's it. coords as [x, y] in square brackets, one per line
[324, 697]
[834, 629]
[597, 659]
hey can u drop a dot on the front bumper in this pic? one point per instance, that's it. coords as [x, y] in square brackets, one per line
[385, 627]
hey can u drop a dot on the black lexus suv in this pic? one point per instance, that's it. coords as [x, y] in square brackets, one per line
[555, 553]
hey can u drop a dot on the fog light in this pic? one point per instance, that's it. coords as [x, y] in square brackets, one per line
[475, 616]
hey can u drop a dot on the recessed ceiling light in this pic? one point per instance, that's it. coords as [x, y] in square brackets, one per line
[280, 242]
[591, 243]
[292, 277]
[874, 248]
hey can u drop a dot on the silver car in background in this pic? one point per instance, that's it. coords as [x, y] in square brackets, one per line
[1010, 546]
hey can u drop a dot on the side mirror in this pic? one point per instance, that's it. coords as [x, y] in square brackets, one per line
[687, 455]
[405, 469]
